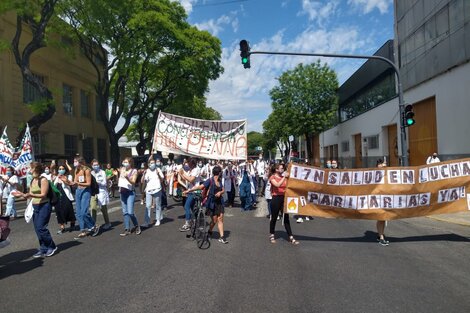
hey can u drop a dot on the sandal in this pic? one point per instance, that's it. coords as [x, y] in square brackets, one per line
[272, 239]
[293, 241]
[82, 235]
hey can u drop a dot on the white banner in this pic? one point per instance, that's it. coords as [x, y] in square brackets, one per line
[19, 158]
[222, 140]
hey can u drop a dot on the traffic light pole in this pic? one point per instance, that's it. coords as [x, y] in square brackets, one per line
[401, 103]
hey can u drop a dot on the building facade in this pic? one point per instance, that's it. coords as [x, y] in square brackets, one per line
[76, 127]
[432, 48]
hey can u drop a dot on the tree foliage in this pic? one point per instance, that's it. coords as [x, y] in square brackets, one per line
[304, 102]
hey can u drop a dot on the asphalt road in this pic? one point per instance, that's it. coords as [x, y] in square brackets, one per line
[338, 267]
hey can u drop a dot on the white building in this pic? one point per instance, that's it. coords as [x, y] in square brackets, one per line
[432, 49]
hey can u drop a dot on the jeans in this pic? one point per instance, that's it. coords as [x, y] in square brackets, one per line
[41, 217]
[11, 210]
[188, 206]
[82, 206]
[127, 203]
[158, 206]
[246, 203]
[164, 199]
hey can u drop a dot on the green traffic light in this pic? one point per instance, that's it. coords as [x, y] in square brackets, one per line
[410, 121]
[244, 60]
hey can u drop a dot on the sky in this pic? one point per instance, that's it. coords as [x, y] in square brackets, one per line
[309, 26]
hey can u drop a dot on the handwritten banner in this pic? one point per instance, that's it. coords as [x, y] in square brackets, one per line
[19, 158]
[379, 193]
[223, 140]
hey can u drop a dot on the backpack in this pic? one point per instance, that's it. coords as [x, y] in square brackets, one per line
[94, 188]
[53, 194]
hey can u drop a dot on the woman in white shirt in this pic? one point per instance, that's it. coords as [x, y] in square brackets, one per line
[101, 199]
[10, 184]
[153, 177]
[64, 208]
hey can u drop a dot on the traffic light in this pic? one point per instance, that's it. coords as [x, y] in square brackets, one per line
[408, 115]
[245, 53]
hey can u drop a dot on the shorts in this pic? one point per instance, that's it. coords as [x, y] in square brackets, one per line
[218, 209]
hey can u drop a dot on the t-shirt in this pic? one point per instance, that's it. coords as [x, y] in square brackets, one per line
[8, 188]
[195, 172]
[152, 179]
[212, 190]
[278, 191]
[100, 177]
[109, 172]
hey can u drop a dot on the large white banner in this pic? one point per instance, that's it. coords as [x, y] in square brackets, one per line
[222, 140]
[19, 158]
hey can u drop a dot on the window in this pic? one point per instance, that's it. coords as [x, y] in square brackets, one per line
[102, 149]
[98, 108]
[70, 145]
[30, 93]
[84, 104]
[87, 145]
[372, 142]
[345, 146]
[38, 141]
[67, 99]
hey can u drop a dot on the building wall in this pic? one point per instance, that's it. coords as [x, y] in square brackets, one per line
[58, 66]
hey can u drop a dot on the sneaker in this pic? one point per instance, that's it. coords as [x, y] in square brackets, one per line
[157, 223]
[184, 228]
[50, 252]
[223, 240]
[278, 218]
[106, 226]
[138, 231]
[384, 242]
[38, 254]
[125, 233]
[95, 231]
[307, 218]
[300, 220]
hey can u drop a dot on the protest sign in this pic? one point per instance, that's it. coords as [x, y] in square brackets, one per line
[19, 158]
[222, 140]
[379, 193]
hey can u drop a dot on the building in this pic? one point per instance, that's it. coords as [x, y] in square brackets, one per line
[76, 126]
[432, 49]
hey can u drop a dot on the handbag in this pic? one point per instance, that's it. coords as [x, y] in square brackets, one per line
[28, 213]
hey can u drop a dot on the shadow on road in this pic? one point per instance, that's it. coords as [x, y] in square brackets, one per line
[20, 262]
[370, 236]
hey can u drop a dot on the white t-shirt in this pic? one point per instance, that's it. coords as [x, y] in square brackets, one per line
[260, 166]
[195, 172]
[8, 188]
[432, 160]
[154, 184]
[100, 177]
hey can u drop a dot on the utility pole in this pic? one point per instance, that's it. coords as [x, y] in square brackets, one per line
[401, 103]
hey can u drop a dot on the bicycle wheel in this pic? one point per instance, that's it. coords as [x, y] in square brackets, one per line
[202, 227]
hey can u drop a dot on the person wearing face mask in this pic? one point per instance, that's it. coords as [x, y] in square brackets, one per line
[192, 176]
[101, 199]
[334, 164]
[278, 188]
[82, 182]
[260, 168]
[229, 178]
[328, 164]
[164, 169]
[64, 208]
[153, 178]
[10, 184]
[433, 159]
[126, 183]
[111, 179]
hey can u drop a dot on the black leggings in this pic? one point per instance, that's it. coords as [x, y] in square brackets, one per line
[276, 208]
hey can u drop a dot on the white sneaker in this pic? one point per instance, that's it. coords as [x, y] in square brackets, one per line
[307, 218]
[278, 218]
[300, 220]
[157, 223]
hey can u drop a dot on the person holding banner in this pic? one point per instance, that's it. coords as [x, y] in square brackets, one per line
[278, 188]
[10, 184]
[381, 224]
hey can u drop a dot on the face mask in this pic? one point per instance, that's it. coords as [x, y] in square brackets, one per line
[158, 164]
[96, 168]
[47, 171]
[328, 165]
[125, 164]
[260, 158]
[61, 172]
[200, 165]
[75, 164]
[186, 167]
[9, 174]
[334, 165]
[152, 166]
[433, 156]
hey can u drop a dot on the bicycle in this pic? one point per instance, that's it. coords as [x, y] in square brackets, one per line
[199, 229]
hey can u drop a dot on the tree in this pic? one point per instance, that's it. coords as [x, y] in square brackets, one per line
[37, 15]
[144, 53]
[255, 139]
[308, 94]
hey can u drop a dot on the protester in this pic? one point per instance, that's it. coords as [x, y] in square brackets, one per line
[110, 179]
[192, 175]
[381, 224]
[64, 208]
[215, 201]
[10, 183]
[82, 182]
[153, 178]
[260, 169]
[267, 194]
[245, 191]
[278, 188]
[139, 182]
[126, 183]
[42, 211]
[229, 178]
[433, 159]
[101, 199]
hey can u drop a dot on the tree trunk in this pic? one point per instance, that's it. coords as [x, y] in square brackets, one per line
[308, 146]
